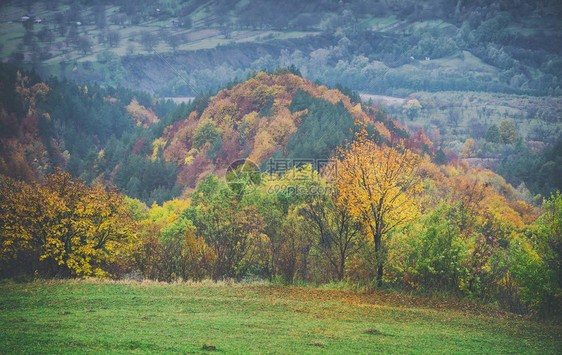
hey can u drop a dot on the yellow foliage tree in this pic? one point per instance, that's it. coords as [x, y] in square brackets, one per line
[264, 146]
[282, 126]
[379, 185]
[140, 114]
[62, 227]
[199, 258]
[469, 148]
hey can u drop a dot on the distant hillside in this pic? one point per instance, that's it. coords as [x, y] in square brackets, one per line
[382, 47]
[52, 124]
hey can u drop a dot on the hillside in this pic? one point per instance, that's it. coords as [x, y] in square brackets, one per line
[137, 137]
[57, 124]
[278, 115]
[391, 47]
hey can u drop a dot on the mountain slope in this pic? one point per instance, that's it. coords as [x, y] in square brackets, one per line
[278, 113]
[153, 150]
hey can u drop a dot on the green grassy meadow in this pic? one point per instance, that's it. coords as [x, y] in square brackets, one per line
[84, 316]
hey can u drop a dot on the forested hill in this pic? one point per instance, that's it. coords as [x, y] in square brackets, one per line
[278, 115]
[153, 149]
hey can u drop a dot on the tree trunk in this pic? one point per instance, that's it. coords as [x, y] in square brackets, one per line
[377, 239]
[378, 252]
[379, 274]
[342, 267]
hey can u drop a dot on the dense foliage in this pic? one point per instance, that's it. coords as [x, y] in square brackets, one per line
[540, 171]
[61, 228]
[473, 237]
[390, 208]
[393, 47]
[89, 131]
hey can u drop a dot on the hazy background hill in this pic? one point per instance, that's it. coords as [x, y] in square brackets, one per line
[391, 46]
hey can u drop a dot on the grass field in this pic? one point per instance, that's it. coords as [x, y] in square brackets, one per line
[51, 317]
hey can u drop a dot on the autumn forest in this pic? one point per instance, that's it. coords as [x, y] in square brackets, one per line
[280, 183]
[346, 193]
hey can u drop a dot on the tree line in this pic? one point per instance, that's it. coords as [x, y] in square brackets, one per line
[389, 217]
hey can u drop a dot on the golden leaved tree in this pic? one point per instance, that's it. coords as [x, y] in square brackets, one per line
[62, 227]
[379, 185]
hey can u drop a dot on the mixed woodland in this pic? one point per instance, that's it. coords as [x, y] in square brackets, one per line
[109, 182]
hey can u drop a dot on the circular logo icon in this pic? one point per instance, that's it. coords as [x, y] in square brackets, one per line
[242, 174]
